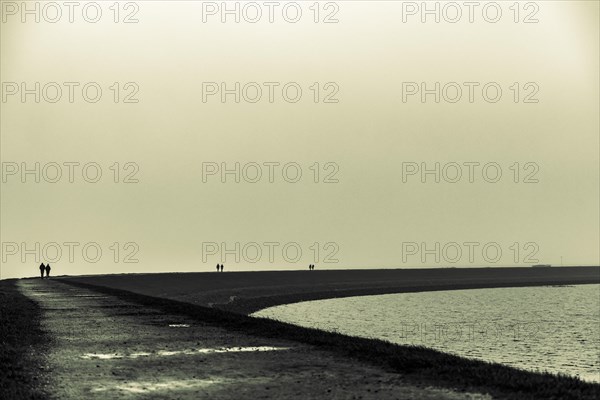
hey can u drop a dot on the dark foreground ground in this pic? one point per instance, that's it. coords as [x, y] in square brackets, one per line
[22, 342]
[67, 338]
[247, 292]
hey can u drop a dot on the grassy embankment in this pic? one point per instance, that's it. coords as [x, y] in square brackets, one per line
[417, 365]
[246, 292]
[21, 344]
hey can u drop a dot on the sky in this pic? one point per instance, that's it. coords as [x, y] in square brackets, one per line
[381, 137]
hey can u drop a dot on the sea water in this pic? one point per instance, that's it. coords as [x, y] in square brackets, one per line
[548, 328]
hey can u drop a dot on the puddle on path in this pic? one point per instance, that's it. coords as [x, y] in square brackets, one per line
[147, 387]
[167, 353]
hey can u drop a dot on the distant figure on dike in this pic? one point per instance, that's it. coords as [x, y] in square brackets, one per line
[48, 270]
[42, 269]
[222, 267]
[218, 267]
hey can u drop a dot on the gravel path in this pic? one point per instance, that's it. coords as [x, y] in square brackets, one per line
[105, 348]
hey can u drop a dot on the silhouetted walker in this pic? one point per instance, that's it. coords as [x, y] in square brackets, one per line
[48, 270]
[218, 267]
[42, 268]
[222, 267]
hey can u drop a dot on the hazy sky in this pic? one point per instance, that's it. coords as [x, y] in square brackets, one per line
[371, 217]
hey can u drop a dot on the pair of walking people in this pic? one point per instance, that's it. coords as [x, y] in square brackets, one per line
[219, 267]
[45, 268]
[311, 267]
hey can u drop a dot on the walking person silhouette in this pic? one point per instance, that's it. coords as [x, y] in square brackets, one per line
[218, 267]
[48, 270]
[221, 267]
[42, 268]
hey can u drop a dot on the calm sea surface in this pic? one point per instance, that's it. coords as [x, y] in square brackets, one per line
[552, 328]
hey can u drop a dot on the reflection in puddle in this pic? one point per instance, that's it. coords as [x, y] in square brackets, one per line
[90, 356]
[241, 349]
[140, 354]
[165, 353]
[146, 387]
[179, 326]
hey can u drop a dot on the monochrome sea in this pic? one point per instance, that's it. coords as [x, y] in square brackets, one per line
[547, 328]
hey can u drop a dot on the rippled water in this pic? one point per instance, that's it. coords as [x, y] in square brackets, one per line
[553, 328]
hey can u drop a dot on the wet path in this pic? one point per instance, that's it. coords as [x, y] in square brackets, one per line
[105, 348]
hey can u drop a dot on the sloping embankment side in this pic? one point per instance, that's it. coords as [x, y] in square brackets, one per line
[247, 292]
